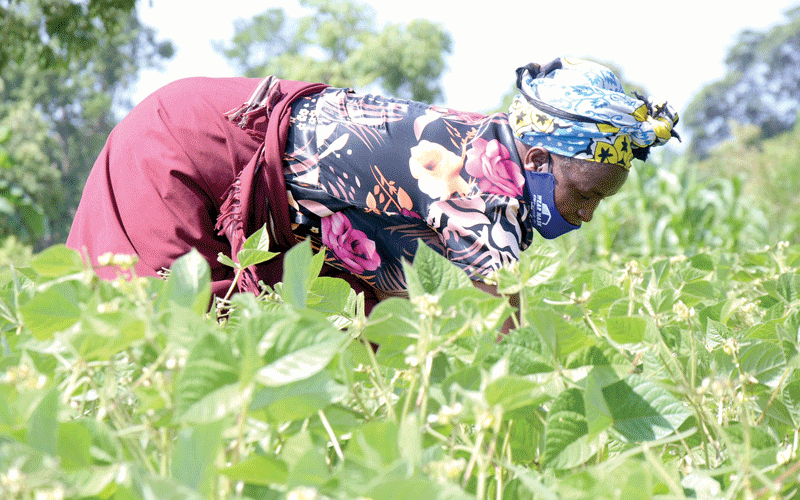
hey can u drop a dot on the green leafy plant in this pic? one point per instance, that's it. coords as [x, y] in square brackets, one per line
[674, 376]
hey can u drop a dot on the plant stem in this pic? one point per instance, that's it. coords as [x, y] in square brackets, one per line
[661, 471]
[331, 435]
[773, 395]
[236, 277]
[373, 361]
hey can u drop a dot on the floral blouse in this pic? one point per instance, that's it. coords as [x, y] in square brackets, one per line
[368, 176]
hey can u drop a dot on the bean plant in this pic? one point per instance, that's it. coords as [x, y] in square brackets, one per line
[662, 377]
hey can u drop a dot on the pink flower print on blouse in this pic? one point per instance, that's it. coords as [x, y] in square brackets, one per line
[351, 246]
[490, 163]
[437, 169]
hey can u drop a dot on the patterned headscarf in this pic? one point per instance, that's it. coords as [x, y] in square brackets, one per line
[579, 109]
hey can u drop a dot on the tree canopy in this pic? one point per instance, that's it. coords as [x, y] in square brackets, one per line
[760, 88]
[63, 66]
[338, 43]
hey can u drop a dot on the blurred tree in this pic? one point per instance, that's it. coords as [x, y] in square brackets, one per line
[760, 88]
[338, 44]
[64, 65]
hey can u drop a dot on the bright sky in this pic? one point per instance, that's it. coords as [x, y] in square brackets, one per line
[672, 48]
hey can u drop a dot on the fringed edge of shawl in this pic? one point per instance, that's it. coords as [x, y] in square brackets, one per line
[230, 224]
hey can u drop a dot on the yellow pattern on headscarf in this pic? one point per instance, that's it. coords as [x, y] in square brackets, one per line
[580, 109]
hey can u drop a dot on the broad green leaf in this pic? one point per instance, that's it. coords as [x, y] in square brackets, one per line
[791, 398]
[604, 297]
[526, 352]
[432, 273]
[626, 329]
[209, 366]
[42, 431]
[298, 346]
[95, 481]
[188, 284]
[407, 489]
[52, 310]
[643, 410]
[526, 428]
[297, 400]
[750, 437]
[602, 278]
[140, 484]
[560, 336]
[602, 353]
[194, 453]
[74, 442]
[296, 446]
[468, 378]
[227, 261]
[537, 264]
[716, 333]
[329, 295]
[56, 261]
[300, 268]
[768, 330]
[512, 392]
[245, 331]
[217, 404]
[484, 312]
[374, 445]
[393, 325]
[789, 286]
[255, 249]
[702, 262]
[102, 336]
[409, 441]
[566, 431]
[310, 470]
[763, 360]
[661, 271]
[698, 290]
[598, 414]
[258, 469]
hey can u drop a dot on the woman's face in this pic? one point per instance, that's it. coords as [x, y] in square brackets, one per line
[582, 184]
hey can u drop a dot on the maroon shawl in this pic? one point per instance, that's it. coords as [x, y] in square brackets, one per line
[176, 174]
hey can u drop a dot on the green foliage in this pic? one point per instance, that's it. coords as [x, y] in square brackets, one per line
[64, 66]
[769, 172]
[53, 31]
[680, 208]
[675, 376]
[338, 43]
[758, 89]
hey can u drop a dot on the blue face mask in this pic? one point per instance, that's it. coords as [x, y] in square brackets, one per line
[545, 216]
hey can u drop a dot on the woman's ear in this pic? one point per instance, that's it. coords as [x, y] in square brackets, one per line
[537, 159]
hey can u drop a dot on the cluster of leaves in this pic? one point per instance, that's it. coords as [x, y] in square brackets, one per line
[18, 208]
[759, 89]
[64, 65]
[676, 377]
[769, 173]
[337, 43]
[53, 30]
[687, 207]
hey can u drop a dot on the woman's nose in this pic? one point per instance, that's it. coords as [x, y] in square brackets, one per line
[586, 212]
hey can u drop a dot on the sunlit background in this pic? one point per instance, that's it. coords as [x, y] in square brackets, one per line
[672, 48]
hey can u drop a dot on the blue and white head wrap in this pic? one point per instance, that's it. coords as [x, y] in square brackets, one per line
[578, 108]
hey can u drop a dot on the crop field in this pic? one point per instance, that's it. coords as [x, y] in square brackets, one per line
[669, 377]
